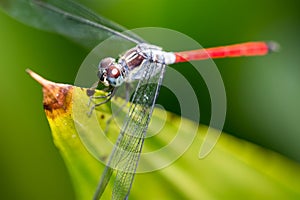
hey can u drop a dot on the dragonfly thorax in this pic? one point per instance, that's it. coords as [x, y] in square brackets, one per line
[128, 67]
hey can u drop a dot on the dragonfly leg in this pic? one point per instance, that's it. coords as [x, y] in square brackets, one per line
[91, 91]
[106, 97]
[127, 93]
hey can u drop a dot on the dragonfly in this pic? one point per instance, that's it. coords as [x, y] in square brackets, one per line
[144, 63]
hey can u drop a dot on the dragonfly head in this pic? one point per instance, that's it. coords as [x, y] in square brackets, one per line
[110, 72]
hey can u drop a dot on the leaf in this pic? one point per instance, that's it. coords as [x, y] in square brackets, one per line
[235, 169]
[84, 169]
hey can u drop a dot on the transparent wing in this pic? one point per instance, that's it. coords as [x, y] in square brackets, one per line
[126, 153]
[66, 18]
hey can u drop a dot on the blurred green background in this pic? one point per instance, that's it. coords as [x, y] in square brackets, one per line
[263, 93]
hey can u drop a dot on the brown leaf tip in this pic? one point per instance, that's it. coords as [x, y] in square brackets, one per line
[38, 78]
[57, 97]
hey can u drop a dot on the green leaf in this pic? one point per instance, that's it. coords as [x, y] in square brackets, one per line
[235, 169]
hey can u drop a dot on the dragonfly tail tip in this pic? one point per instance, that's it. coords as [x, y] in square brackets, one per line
[273, 46]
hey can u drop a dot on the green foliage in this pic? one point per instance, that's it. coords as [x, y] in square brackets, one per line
[263, 100]
[235, 169]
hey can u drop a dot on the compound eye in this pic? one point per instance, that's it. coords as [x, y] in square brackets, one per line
[113, 72]
[106, 62]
